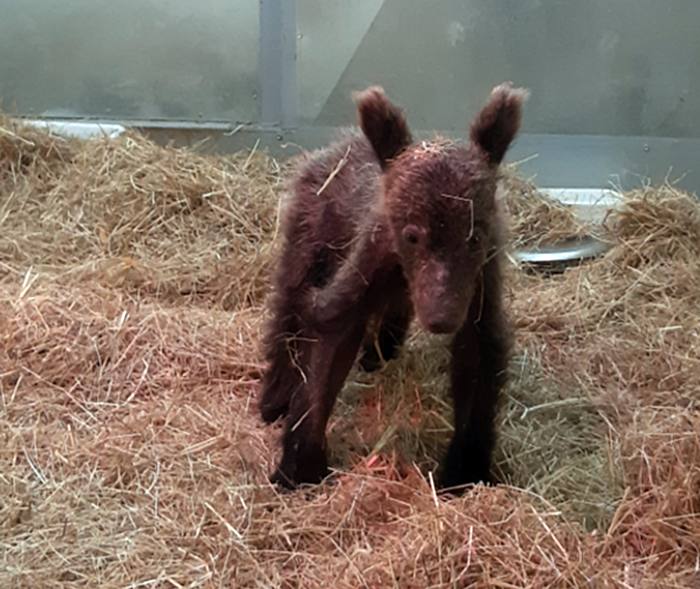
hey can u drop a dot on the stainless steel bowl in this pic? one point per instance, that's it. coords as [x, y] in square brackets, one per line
[567, 251]
[591, 206]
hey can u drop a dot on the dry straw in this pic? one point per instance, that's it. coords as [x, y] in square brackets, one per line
[536, 220]
[132, 279]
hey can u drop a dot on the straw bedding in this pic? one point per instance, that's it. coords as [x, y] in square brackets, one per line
[132, 284]
[535, 220]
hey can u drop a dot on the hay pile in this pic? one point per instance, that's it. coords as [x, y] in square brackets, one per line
[535, 219]
[128, 214]
[131, 285]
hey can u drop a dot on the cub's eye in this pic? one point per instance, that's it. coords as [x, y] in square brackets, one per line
[411, 234]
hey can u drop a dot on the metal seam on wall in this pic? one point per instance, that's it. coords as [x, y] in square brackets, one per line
[277, 68]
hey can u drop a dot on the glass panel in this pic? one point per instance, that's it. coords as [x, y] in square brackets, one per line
[132, 59]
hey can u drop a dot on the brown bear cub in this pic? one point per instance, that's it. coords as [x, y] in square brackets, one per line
[379, 228]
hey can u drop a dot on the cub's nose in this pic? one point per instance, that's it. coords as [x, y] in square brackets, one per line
[441, 325]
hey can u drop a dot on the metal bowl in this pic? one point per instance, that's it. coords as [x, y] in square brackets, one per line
[562, 255]
[591, 206]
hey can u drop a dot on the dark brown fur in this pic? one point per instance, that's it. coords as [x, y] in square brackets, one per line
[400, 228]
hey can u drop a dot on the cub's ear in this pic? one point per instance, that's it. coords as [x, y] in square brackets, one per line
[383, 123]
[495, 127]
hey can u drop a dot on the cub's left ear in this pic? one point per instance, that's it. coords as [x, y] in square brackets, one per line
[495, 127]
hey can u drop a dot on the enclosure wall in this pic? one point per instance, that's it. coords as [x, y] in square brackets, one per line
[614, 84]
[130, 59]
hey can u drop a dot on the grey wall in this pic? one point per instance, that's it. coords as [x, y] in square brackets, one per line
[133, 59]
[611, 67]
[615, 83]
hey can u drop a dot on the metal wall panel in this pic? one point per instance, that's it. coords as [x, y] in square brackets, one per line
[620, 67]
[130, 59]
[615, 83]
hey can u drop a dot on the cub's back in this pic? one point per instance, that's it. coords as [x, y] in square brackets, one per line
[331, 192]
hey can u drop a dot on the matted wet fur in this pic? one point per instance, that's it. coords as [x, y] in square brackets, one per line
[379, 228]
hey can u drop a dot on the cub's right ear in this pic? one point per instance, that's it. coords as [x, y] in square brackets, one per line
[383, 123]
